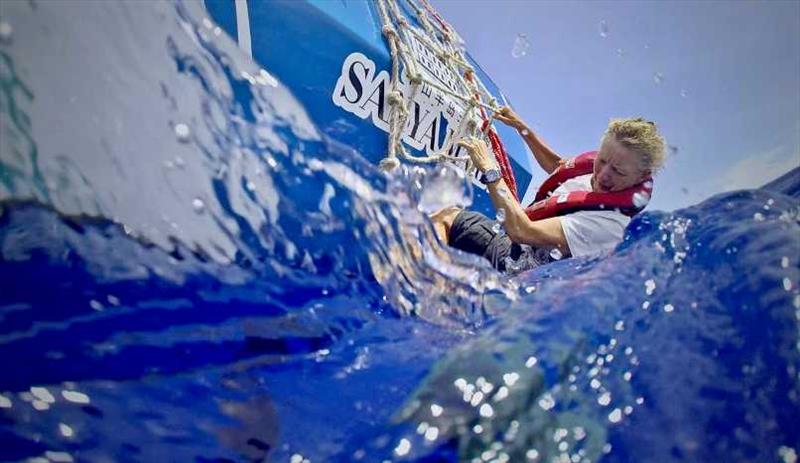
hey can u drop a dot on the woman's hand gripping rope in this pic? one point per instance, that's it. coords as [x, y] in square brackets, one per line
[507, 116]
[478, 153]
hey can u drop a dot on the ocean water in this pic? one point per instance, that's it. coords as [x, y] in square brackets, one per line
[191, 271]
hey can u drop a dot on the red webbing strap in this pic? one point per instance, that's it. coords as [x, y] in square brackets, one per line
[500, 153]
[435, 15]
[501, 156]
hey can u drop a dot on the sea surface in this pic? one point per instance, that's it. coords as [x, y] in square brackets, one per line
[191, 271]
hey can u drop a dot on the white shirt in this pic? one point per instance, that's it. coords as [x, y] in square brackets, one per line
[590, 232]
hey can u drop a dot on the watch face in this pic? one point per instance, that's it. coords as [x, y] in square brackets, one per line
[491, 176]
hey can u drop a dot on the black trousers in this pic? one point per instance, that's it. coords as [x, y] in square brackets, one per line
[472, 232]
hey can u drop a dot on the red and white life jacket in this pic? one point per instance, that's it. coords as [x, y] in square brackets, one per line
[629, 201]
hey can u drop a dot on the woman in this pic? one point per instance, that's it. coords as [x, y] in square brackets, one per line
[583, 207]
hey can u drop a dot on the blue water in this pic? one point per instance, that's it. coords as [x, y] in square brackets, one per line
[186, 277]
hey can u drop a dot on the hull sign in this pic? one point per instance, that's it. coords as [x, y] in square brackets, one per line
[433, 116]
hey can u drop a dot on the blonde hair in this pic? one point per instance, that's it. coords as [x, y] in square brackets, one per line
[642, 137]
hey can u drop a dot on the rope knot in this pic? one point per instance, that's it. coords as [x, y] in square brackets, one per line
[389, 31]
[394, 97]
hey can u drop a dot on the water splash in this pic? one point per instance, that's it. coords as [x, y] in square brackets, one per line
[440, 187]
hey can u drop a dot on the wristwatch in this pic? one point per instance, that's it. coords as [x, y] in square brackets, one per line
[490, 176]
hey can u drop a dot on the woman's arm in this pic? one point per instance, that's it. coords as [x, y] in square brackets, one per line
[545, 233]
[544, 155]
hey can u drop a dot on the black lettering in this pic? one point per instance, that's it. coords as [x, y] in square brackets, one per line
[380, 90]
[417, 119]
[355, 82]
[433, 134]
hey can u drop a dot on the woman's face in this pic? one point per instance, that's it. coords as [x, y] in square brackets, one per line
[616, 168]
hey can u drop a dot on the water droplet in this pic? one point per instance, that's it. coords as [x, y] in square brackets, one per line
[684, 93]
[436, 410]
[669, 308]
[431, 433]
[182, 132]
[658, 78]
[524, 132]
[603, 27]
[40, 405]
[619, 326]
[58, 457]
[646, 305]
[547, 402]
[532, 454]
[96, 305]
[198, 205]
[403, 447]
[649, 287]
[179, 162]
[6, 31]
[787, 284]
[5, 402]
[615, 416]
[556, 254]
[497, 229]
[75, 397]
[531, 362]
[486, 411]
[787, 454]
[758, 217]
[785, 262]
[43, 394]
[628, 350]
[604, 399]
[521, 46]
[65, 430]
[511, 378]
[620, 52]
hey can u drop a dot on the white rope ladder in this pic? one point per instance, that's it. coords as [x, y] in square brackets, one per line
[438, 38]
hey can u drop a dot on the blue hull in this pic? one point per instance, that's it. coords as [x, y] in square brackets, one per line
[305, 43]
